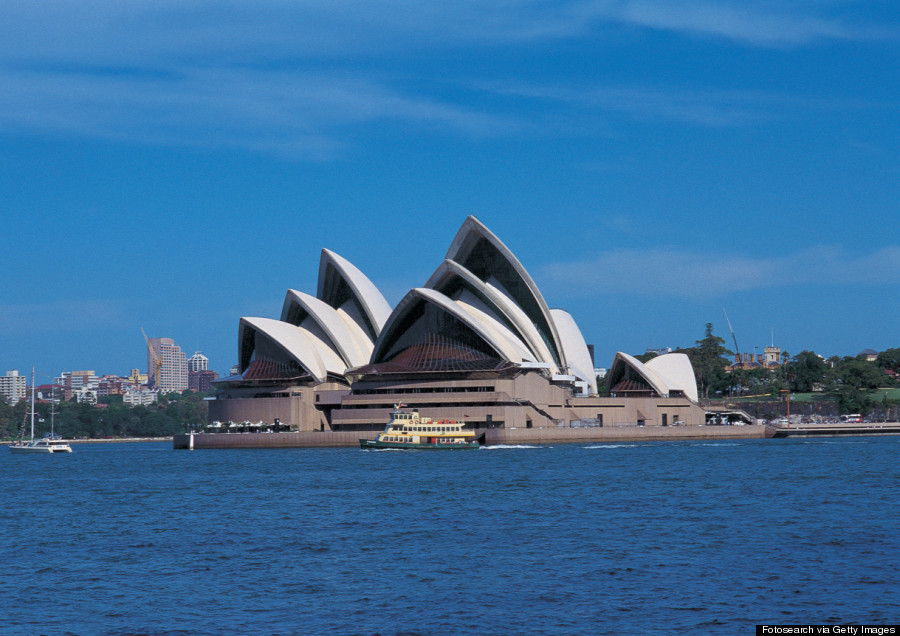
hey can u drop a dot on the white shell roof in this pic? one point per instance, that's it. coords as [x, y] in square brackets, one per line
[369, 297]
[678, 372]
[497, 336]
[502, 305]
[577, 354]
[471, 229]
[656, 382]
[349, 323]
[344, 334]
[665, 373]
[308, 350]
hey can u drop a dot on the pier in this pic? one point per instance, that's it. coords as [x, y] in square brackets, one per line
[837, 429]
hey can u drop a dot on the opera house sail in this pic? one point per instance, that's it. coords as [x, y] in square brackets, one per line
[477, 340]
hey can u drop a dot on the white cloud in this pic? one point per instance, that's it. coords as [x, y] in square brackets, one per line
[292, 113]
[290, 77]
[755, 23]
[707, 107]
[671, 272]
[166, 32]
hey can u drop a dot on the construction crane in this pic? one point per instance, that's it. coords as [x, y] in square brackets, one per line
[737, 350]
[156, 359]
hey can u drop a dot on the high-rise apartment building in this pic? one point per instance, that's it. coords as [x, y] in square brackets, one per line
[13, 387]
[198, 362]
[173, 370]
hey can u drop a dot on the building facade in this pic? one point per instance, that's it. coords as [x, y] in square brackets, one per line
[477, 342]
[167, 362]
[198, 362]
[201, 381]
[13, 387]
[139, 396]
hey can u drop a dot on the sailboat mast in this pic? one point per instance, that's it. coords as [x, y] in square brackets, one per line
[52, 410]
[32, 404]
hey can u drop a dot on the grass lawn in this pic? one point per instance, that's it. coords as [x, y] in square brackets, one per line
[893, 395]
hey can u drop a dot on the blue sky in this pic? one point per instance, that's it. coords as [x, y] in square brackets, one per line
[177, 165]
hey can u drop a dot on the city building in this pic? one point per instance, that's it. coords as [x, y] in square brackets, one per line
[769, 359]
[139, 396]
[49, 393]
[198, 362]
[137, 378]
[477, 341]
[201, 381]
[200, 378]
[85, 395]
[74, 381]
[13, 387]
[166, 366]
[113, 385]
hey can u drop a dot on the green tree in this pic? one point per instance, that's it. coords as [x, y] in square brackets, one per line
[889, 359]
[851, 400]
[859, 374]
[7, 424]
[851, 381]
[807, 371]
[709, 360]
[758, 380]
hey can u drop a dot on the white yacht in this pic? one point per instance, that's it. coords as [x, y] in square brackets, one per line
[47, 444]
[43, 445]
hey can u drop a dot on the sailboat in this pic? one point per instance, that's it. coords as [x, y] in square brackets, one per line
[51, 444]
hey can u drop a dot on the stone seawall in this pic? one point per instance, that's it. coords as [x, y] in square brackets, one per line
[837, 430]
[493, 437]
[497, 436]
[313, 439]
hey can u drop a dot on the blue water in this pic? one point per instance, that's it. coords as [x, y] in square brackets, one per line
[651, 538]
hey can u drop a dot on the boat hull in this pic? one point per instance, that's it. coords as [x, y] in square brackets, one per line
[40, 449]
[375, 445]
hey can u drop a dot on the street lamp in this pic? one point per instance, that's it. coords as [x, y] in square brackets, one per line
[787, 397]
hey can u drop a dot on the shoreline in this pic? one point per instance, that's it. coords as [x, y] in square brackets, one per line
[167, 438]
[512, 436]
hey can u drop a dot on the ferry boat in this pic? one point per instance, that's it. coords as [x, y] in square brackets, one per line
[406, 430]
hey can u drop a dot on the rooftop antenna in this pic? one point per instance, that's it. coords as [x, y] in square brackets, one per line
[737, 349]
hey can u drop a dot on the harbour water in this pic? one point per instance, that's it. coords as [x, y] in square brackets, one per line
[624, 538]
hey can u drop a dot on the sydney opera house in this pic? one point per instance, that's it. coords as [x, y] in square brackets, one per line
[477, 342]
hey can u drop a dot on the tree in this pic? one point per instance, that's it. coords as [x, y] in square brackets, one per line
[709, 362]
[756, 381]
[807, 372]
[851, 400]
[859, 374]
[889, 359]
